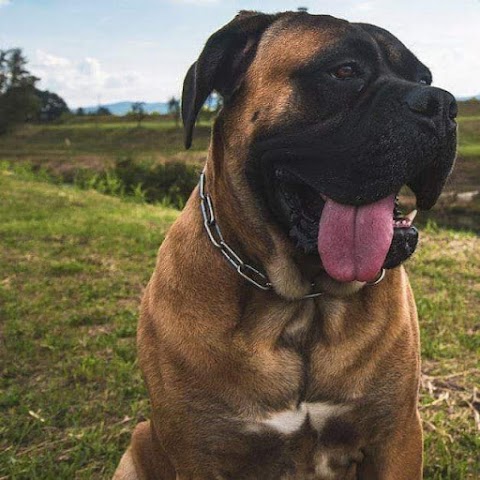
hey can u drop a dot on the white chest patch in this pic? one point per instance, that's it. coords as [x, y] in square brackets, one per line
[291, 420]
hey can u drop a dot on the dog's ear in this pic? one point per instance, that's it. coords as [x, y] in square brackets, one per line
[222, 64]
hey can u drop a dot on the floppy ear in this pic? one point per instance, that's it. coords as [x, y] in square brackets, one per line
[222, 64]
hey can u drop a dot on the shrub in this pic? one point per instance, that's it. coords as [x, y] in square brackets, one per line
[167, 183]
[170, 182]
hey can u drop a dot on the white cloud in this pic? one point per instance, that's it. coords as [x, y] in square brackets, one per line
[196, 2]
[4, 3]
[83, 81]
[122, 81]
[90, 67]
[49, 61]
[364, 7]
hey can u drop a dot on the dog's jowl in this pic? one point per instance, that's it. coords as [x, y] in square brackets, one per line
[278, 335]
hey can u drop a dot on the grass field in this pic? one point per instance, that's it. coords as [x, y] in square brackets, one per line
[469, 137]
[101, 140]
[73, 266]
[41, 144]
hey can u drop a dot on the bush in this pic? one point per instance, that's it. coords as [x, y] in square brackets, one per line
[170, 182]
[27, 171]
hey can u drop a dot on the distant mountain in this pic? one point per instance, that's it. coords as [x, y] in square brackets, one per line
[464, 99]
[122, 108]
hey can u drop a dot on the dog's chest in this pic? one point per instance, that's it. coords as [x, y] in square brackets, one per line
[318, 436]
[302, 402]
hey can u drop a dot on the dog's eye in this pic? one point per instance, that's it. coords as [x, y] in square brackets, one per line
[348, 70]
[424, 81]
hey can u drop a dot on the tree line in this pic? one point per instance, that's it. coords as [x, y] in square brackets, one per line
[20, 100]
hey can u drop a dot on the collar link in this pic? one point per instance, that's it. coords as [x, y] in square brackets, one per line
[253, 275]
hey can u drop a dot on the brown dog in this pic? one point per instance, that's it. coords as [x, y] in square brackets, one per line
[303, 367]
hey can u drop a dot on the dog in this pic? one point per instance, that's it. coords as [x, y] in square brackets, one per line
[278, 335]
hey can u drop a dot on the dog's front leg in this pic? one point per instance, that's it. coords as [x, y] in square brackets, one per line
[145, 458]
[399, 458]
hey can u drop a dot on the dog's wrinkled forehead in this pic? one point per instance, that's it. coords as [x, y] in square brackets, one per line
[394, 53]
[295, 41]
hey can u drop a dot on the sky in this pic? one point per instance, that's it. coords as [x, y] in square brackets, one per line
[102, 51]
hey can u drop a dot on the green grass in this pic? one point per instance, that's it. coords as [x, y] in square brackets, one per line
[124, 124]
[472, 118]
[97, 146]
[469, 137]
[469, 150]
[72, 268]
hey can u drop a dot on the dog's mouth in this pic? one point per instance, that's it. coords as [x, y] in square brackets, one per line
[353, 242]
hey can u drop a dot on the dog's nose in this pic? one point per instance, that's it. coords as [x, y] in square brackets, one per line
[432, 102]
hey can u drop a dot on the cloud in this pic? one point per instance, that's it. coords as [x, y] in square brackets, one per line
[196, 2]
[83, 81]
[5, 3]
[51, 61]
[364, 7]
[121, 81]
[90, 67]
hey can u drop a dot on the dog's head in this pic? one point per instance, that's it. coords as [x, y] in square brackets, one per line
[327, 120]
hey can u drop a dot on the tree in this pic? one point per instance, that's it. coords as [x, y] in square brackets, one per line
[103, 111]
[80, 112]
[212, 106]
[52, 106]
[218, 103]
[174, 109]
[138, 111]
[18, 101]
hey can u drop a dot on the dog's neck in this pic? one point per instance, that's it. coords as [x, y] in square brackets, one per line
[292, 274]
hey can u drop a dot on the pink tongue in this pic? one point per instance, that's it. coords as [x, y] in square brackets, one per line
[353, 242]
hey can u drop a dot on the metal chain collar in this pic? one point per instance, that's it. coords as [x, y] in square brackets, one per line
[248, 272]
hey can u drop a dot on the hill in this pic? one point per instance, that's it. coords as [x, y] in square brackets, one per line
[122, 108]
